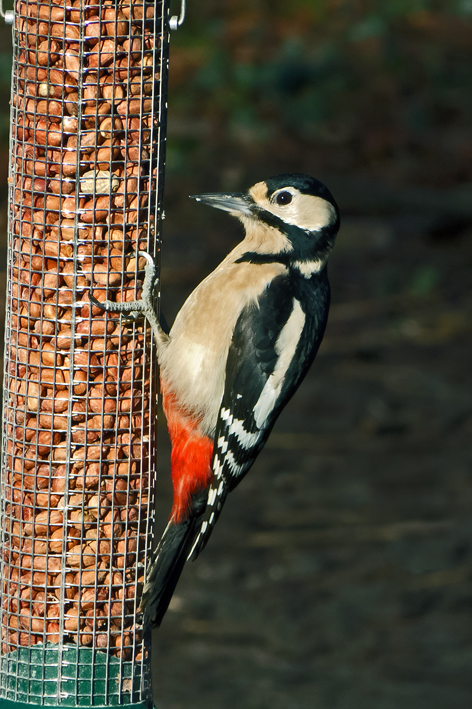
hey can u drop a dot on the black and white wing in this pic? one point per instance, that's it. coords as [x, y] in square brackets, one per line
[274, 342]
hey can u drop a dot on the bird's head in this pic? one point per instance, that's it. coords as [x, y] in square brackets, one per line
[294, 215]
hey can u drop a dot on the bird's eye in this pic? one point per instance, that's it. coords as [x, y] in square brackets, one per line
[283, 198]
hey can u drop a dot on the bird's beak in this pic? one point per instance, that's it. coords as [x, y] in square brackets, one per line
[233, 202]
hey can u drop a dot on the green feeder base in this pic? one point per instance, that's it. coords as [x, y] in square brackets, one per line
[51, 676]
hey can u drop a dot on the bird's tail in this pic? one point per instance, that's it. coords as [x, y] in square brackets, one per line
[167, 563]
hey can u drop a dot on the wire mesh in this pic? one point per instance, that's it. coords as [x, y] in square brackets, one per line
[87, 158]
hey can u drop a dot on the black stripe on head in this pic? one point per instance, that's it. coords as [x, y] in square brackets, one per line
[305, 244]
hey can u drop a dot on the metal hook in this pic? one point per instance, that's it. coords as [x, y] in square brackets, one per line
[8, 15]
[175, 22]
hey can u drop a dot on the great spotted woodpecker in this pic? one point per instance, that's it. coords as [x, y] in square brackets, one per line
[238, 350]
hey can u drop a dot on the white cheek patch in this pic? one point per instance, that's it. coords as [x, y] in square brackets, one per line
[285, 347]
[306, 212]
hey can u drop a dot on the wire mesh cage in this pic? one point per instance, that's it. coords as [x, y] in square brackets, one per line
[87, 159]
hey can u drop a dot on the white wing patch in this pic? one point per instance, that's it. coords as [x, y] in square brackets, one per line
[217, 467]
[308, 268]
[285, 347]
[222, 444]
[235, 427]
[234, 468]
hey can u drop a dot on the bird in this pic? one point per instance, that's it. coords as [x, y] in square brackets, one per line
[238, 350]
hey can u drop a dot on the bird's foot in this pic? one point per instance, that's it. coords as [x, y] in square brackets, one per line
[136, 308]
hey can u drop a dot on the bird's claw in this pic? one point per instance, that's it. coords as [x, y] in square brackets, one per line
[134, 309]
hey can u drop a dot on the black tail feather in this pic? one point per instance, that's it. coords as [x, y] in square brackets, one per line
[167, 563]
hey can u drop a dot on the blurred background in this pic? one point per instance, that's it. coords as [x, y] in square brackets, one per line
[340, 573]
